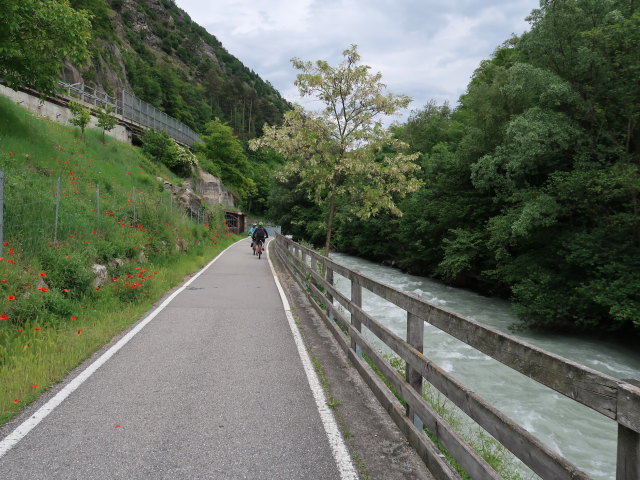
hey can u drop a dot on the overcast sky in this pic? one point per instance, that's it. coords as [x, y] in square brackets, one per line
[427, 49]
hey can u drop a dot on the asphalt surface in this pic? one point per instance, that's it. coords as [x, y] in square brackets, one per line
[211, 388]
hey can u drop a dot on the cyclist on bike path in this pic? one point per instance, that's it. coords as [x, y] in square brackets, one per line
[260, 234]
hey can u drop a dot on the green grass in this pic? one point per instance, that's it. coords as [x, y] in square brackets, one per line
[493, 452]
[112, 211]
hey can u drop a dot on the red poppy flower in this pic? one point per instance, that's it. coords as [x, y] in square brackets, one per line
[20, 330]
[65, 290]
[79, 332]
[6, 244]
[11, 297]
[94, 232]
[4, 316]
[4, 281]
[15, 400]
[42, 274]
[73, 317]
[11, 262]
[35, 385]
[43, 289]
[97, 288]
[37, 329]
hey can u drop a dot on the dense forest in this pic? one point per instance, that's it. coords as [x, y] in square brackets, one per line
[531, 181]
[154, 49]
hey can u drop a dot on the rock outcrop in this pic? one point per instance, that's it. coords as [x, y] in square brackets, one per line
[212, 190]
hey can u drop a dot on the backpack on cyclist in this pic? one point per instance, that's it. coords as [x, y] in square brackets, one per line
[260, 234]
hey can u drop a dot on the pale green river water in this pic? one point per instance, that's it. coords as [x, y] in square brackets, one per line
[581, 435]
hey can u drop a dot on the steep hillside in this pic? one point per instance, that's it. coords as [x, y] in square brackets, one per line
[155, 50]
[90, 238]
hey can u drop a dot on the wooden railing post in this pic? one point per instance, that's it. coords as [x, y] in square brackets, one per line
[628, 458]
[329, 278]
[356, 299]
[415, 338]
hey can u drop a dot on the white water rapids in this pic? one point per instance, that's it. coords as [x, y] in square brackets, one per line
[580, 434]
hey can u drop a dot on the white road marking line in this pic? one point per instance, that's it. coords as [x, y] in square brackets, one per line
[25, 427]
[336, 442]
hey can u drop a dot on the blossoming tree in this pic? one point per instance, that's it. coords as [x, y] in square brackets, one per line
[343, 156]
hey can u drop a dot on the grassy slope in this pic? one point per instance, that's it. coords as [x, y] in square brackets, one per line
[52, 316]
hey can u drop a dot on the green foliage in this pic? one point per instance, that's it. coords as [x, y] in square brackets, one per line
[531, 184]
[188, 82]
[158, 145]
[81, 115]
[106, 120]
[99, 16]
[52, 316]
[35, 36]
[342, 155]
[262, 172]
[226, 158]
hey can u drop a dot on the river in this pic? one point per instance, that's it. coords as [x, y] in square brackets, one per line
[581, 435]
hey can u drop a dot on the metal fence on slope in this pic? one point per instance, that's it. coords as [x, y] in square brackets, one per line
[133, 110]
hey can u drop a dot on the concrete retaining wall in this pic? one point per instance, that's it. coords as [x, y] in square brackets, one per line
[56, 112]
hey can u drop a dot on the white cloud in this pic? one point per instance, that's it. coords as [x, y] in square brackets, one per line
[427, 49]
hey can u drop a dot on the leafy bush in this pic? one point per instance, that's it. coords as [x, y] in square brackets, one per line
[160, 146]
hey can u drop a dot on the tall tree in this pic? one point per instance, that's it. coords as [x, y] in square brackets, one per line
[35, 37]
[224, 156]
[336, 152]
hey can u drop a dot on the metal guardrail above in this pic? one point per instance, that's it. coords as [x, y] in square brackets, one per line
[133, 110]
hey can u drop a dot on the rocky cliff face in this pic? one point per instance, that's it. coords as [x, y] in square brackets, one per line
[154, 50]
[212, 190]
[133, 23]
[196, 191]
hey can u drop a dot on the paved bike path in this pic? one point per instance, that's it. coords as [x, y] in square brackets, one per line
[212, 388]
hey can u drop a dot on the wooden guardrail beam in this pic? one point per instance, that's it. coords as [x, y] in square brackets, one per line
[613, 398]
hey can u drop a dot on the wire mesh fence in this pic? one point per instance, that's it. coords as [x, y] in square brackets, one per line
[40, 211]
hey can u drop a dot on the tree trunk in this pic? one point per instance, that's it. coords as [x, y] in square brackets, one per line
[332, 209]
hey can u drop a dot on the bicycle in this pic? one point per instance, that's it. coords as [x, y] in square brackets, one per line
[258, 248]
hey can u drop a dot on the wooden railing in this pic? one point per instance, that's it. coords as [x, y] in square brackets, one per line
[616, 399]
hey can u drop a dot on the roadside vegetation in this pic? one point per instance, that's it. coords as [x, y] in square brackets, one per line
[74, 206]
[530, 185]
